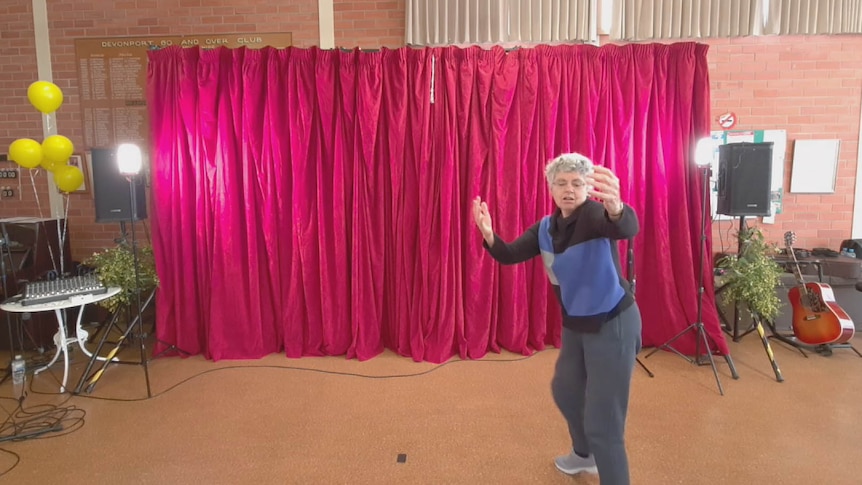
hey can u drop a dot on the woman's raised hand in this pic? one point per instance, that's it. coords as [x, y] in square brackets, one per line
[483, 220]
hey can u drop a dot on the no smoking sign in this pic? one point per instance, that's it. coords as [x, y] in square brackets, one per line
[727, 120]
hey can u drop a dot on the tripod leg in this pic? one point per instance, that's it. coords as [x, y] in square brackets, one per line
[644, 367]
[667, 345]
[768, 349]
[854, 350]
[732, 367]
[91, 382]
[168, 347]
[702, 336]
[96, 353]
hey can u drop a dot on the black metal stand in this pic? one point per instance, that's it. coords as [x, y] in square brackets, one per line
[4, 241]
[757, 321]
[168, 346]
[630, 273]
[136, 323]
[92, 380]
[139, 317]
[697, 326]
[733, 330]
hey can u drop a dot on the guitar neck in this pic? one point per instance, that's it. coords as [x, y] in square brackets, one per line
[797, 272]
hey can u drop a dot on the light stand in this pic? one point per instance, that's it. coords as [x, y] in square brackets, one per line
[704, 154]
[630, 273]
[129, 160]
[140, 317]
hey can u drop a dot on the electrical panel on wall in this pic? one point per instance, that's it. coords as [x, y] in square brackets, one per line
[9, 178]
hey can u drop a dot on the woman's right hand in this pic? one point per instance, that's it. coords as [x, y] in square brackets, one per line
[483, 220]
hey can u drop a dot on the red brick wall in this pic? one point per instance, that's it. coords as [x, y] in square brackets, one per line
[72, 19]
[810, 86]
[17, 118]
[369, 24]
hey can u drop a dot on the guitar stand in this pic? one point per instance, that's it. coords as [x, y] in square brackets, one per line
[824, 349]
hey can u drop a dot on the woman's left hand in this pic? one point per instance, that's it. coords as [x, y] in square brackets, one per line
[605, 186]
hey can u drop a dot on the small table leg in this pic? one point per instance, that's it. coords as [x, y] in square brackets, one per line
[61, 341]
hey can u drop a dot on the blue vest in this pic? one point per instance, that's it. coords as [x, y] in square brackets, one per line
[585, 273]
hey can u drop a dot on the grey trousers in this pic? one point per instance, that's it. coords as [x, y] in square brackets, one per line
[591, 388]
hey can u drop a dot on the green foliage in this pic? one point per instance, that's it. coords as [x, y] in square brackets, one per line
[752, 276]
[116, 268]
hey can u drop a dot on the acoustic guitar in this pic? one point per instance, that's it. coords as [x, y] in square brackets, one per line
[817, 318]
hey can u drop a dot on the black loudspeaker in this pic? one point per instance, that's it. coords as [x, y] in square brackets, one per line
[112, 190]
[744, 179]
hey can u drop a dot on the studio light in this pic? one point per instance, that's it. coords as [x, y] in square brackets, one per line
[129, 159]
[704, 152]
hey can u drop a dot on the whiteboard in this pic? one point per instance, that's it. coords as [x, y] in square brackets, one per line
[815, 165]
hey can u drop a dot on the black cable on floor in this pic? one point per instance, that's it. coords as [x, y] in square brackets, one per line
[290, 367]
[38, 422]
[48, 420]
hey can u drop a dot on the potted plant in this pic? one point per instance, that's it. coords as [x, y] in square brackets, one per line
[116, 268]
[752, 276]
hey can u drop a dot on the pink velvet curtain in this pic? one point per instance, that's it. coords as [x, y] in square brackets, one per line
[317, 202]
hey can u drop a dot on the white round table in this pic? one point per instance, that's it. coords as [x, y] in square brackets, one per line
[61, 340]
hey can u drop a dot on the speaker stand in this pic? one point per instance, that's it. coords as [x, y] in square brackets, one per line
[735, 334]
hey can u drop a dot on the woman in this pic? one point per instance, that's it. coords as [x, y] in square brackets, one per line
[601, 333]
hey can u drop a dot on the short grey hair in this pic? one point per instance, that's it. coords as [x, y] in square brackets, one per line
[567, 163]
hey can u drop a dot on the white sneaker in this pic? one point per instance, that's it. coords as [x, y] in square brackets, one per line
[571, 464]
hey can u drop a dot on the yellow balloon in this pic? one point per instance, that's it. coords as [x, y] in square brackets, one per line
[68, 178]
[51, 166]
[57, 148]
[26, 152]
[45, 96]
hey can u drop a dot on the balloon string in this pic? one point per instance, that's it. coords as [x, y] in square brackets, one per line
[36, 192]
[41, 216]
[63, 233]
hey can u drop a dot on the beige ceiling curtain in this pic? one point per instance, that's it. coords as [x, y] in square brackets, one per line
[799, 17]
[685, 19]
[447, 22]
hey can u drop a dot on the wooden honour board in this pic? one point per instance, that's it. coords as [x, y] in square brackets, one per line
[112, 80]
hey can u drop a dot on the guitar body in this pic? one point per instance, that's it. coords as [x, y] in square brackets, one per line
[817, 318]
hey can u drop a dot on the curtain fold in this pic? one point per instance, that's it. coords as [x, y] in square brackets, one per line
[318, 202]
[812, 17]
[462, 22]
[685, 19]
